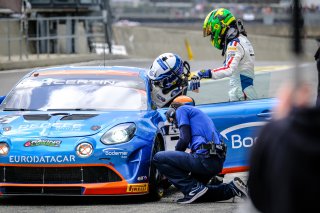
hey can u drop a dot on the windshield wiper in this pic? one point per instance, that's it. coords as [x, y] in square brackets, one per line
[74, 109]
[19, 109]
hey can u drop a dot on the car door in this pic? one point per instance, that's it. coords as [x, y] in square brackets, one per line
[239, 124]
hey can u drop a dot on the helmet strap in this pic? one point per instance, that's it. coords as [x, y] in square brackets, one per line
[175, 105]
[186, 65]
[240, 27]
[232, 32]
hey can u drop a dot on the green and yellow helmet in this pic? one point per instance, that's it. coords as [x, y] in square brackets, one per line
[216, 24]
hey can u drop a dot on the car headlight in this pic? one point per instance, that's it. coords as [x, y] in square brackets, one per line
[119, 134]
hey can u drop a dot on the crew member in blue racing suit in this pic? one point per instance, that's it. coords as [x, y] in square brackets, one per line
[208, 152]
[227, 34]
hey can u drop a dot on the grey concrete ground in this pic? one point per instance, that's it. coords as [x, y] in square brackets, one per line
[120, 204]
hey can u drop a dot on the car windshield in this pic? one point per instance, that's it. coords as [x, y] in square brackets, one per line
[114, 93]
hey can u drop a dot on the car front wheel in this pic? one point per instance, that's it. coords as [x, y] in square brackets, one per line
[155, 180]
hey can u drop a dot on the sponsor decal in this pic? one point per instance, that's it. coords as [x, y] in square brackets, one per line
[42, 159]
[236, 140]
[84, 150]
[175, 92]
[152, 73]
[115, 152]
[232, 49]
[4, 148]
[141, 178]
[50, 81]
[56, 126]
[162, 99]
[43, 142]
[140, 187]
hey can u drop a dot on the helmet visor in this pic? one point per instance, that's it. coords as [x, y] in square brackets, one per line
[167, 82]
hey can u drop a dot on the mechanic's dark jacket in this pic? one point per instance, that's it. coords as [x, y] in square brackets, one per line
[317, 58]
[284, 175]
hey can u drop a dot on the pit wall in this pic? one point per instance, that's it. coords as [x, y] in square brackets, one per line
[148, 42]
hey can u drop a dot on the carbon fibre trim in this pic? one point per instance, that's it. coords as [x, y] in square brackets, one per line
[13, 190]
[57, 175]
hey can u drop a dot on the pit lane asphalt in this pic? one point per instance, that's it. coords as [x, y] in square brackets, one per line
[53, 204]
[269, 77]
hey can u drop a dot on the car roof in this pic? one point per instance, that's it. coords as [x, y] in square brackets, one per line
[90, 70]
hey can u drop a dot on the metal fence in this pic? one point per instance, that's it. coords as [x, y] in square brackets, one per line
[12, 37]
[47, 35]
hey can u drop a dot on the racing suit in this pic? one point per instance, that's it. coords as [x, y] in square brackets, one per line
[163, 97]
[239, 66]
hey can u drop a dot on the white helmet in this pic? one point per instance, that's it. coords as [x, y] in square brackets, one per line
[168, 78]
[164, 65]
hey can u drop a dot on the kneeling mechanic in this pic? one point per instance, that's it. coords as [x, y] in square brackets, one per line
[190, 172]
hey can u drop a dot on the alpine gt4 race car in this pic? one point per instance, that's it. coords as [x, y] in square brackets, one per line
[79, 131]
[94, 130]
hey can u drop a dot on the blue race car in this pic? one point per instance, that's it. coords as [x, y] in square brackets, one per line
[80, 131]
[94, 130]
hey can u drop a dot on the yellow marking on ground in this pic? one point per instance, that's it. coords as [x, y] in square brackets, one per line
[272, 68]
[265, 68]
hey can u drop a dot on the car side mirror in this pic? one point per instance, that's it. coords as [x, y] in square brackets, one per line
[2, 98]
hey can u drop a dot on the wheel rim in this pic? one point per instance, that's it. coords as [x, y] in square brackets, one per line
[156, 174]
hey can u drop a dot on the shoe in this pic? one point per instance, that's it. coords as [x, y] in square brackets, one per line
[216, 180]
[164, 183]
[239, 187]
[194, 194]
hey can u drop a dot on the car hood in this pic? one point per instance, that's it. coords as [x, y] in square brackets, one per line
[58, 124]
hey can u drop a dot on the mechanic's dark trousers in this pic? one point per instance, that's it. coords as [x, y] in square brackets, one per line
[177, 166]
[219, 192]
[318, 98]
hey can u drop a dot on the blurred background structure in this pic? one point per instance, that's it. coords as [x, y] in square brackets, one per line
[29, 27]
[187, 11]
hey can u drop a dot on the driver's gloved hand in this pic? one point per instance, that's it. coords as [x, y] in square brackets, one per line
[205, 73]
[194, 83]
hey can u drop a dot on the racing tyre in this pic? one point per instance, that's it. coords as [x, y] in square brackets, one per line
[156, 190]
